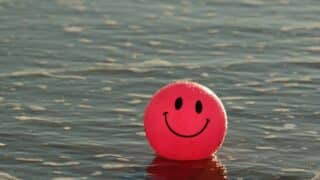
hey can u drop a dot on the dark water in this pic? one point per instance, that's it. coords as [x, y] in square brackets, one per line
[75, 76]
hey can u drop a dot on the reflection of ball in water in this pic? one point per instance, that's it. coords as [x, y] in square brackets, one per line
[206, 169]
[185, 121]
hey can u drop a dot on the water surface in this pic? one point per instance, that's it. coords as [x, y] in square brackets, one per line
[75, 76]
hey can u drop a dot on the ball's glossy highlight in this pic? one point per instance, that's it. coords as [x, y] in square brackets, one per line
[185, 121]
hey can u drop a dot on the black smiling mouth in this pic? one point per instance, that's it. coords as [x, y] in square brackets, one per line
[184, 135]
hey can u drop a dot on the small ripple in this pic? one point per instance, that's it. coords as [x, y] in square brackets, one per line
[110, 22]
[213, 31]
[108, 155]
[135, 28]
[281, 110]
[42, 73]
[310, 26]
[205, 74]
[138, 124]
[24, 73]
[75, 77]
[222, 45]
[142, 96]
[67, 128]
[142, 67]
[106, 89]
[36, 108]
[291, 85]
[135, 101]
[110, 60]
[85, 106]
[127, 44]
[250, 102]
[16, 106]
[291, 116]
[317, 176]
[238, 107]
[287, 126]
[265, 148]
[57, 172]
[106, 47]
[123, 110]
[122, 159]
[36, 118]
[271, 136]
[315, 49]
[31, 107]
[85, 40]
[155, 43]
[65, 157]
[42, 86]
[30, 160]
[288, 80]
[250, 83]
[217, 53]
[166, 51]
[6, 176]
[253, 2]
[96, 173]
[156, 63]
[59, 100]
[113, 166]
[231, 98]
[65, 178]
[293, 170]
[73, 29]
[73, 4]
[57, 164]
[316, 113]
[307, 64]
[19, 84]
[266, 89]
[142, 133]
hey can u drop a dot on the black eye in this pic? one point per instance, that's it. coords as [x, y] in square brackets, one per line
[198, 107]
[178, 103]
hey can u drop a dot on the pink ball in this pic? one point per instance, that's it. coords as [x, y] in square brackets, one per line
[185, 121]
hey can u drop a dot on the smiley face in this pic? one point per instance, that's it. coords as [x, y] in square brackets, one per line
[185, 121]
[198, 109]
